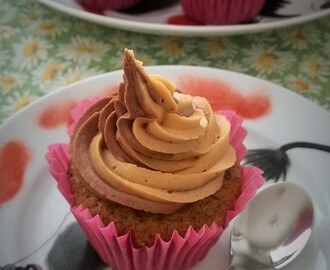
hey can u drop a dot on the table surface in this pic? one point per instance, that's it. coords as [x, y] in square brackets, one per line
[42, 49]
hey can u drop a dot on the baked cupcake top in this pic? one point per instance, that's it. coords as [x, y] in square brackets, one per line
[150, 147]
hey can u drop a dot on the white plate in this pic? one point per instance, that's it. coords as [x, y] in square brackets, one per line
[155, 22]
[35, 213]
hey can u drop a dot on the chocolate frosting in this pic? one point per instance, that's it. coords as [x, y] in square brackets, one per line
[150, 147]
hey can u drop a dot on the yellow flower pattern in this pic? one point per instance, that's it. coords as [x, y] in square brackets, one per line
[217, 46]
[21, 102]
[300, 85]
[267, 60]
[7, 82]
[50, 72]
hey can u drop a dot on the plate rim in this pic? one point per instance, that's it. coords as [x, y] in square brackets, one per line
[177, 30]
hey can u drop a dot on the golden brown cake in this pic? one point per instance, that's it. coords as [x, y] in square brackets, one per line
[144, 226]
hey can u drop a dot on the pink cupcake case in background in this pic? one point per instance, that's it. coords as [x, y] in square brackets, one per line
[171, 19]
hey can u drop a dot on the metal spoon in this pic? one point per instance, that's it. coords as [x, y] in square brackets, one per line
[273, 228]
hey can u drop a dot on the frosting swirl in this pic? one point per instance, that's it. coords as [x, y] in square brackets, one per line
[149, 146]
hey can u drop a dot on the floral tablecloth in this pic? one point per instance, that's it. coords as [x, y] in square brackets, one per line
[42, 49]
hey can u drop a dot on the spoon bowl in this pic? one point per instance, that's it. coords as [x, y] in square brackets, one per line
[273, 228]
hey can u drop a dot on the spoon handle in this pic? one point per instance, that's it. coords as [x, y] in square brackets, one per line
[240, 267]
[317, 146]
[247, 262]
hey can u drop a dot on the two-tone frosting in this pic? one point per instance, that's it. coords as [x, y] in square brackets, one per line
[151, 147]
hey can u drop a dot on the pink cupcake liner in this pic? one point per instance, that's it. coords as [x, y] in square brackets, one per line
[99, 6]
[178, 253]
[221, 11]
[79, 110]
[237, 133]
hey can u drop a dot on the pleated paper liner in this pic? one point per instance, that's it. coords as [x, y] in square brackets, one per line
[178, 253]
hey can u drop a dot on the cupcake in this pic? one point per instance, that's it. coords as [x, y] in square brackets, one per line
[221, 12]
[152, 175]
[100, 6]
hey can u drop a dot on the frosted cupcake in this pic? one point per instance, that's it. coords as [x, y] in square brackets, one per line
[100, 6]
[153, 175]
[221, 12]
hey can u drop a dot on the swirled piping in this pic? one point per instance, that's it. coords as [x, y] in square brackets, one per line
[151, 147]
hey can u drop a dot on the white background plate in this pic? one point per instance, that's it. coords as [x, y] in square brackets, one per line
[35, 213]
[155, 22]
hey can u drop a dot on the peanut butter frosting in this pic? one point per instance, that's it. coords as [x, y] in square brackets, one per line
[150, 147]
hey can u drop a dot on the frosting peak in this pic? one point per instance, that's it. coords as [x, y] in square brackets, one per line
[151, 147]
